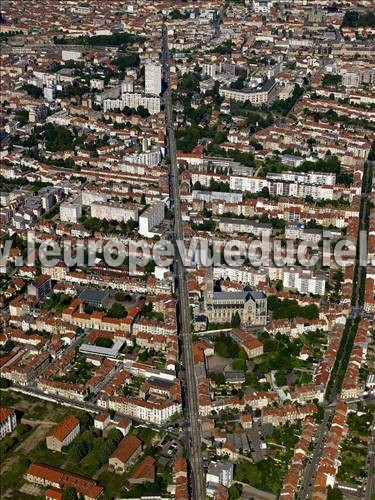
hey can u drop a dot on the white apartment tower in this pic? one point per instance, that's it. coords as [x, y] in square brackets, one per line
[152, 78]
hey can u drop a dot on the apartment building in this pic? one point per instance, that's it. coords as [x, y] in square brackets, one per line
[90, 196]
[26, 368]
[70, 211]
[63, 434]
[247, 183]
[45, 475]
[8, 421]
[298, 231]
[217, 474]
[113, 211]
[257, 97]
[303, 281]
[40, 287]
[153, 327]
[157, 413]
[262, 6]
[246, 276]
[152, 78]
[150, 218]
[228, 225]
[125, 454]
[63, 389]
[130, 100]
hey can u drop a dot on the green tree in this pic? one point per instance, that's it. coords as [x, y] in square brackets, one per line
[86, 420]
[4, 383]
[33, 90]
[22, 428]
[77, 450]
[236, 320]
[330, 80]
[103, 342]
[334, 494]
[69, 494]
[235, 491]
[143, 112]
[126, 61]
[117, 311]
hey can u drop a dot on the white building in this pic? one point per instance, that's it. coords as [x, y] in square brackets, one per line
[70, 55]
[257, 97]
[8, 421]
[89, 197]
[248, 276]
[70, 211]
[49, 93]
[229, 225]
[150, 158]
[153, 78]
[219, 473]
[97, 83]
[209, 69]
[112, 211]
[262, 6]
[127, 85]
[150, 218]
[63, 434]
[101, 421]
[152, 104]
[157, 413]
[250, 184]
[303, 281]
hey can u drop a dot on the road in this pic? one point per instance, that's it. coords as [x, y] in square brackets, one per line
[369, 484]
[256, 444]
[92, 407]
[356, 310]
[316, 456]
[197, 483]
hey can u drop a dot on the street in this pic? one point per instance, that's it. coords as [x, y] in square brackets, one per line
[190, 392]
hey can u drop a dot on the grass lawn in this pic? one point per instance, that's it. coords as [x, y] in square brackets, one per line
[35, 408]
[12, 479]
[112, 484]
[145, 434]
[16, 461]
[355, 447]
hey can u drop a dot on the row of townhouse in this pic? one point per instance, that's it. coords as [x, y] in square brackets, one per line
[26, 367]
[285, 184]
[306, 393]
[340, 109]
[287, 413]
[328, 465]
[351, 386]
[154, 327]
[130, 285]
[63, 389]
[369, 299]
[179, 487]
[297, 326]
[75, 315]
[55, 480]
[157, 413]
[292, 211]
[323, 369]
[105, 370]
[293, 477]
